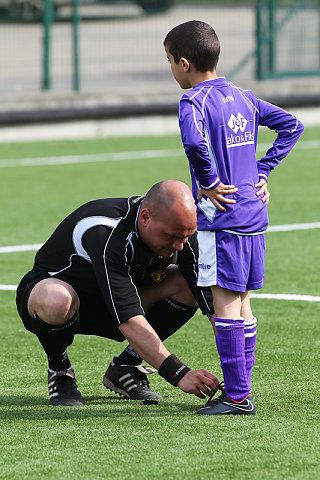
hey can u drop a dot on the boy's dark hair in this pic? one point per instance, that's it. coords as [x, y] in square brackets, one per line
[197, 42]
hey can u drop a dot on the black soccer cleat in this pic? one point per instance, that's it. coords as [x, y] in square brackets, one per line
[224, 405]
[130, 381]
[63, 389]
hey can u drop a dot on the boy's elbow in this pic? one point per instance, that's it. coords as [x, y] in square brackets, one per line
[194, 150]
[300, 127]
[190, 148]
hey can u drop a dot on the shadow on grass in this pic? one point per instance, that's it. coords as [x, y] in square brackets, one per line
[15, 407]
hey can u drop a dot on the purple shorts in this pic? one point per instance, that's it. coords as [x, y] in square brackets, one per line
[234, 262]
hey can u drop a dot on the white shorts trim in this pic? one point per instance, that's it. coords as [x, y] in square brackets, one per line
[207, 274]
[234, 232]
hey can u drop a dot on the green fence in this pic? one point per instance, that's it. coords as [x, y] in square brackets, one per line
[288, 38]
[48, 20]
[110, 46]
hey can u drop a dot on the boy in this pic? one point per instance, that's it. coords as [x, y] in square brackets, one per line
[219, 129]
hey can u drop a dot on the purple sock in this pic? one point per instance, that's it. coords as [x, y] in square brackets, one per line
[250, 335]
[230, 345]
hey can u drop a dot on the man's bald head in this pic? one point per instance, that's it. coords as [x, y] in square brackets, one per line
[170, 197]
[167, 217]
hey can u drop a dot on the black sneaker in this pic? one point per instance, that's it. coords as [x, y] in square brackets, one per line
[224, 405]
[130, 381]
[63, 389]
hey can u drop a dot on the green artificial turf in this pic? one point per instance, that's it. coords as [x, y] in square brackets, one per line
[112, 438]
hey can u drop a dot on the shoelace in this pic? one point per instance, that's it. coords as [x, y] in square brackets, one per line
[143, 378]
[66, 384]
[210, 400]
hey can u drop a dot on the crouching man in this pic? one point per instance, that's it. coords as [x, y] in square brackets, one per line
[120, 268]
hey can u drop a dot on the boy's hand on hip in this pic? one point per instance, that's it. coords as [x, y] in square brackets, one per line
[216, 195]
[263, 190]
[199, 382]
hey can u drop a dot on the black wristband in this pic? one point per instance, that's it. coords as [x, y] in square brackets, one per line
[172, 370]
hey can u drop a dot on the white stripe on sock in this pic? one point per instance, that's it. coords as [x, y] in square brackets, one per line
[252, 334]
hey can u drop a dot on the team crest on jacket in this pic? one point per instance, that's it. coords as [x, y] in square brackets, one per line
[243, 133]
[158, 276]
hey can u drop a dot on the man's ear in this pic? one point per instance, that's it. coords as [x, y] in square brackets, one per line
[145, 217]
[185, 64]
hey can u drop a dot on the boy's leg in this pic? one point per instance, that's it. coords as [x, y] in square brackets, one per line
[225, 260]
[255, 281]
[236, 398]
[250, 333]
[230, 340]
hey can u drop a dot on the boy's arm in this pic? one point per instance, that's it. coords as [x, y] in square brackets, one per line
[196, 148]
[263, 190]
[216, 195]
[288, 128]
[195, 145]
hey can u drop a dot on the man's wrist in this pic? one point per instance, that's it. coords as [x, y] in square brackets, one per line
[172, 370]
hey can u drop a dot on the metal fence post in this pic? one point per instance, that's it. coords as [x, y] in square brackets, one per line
[319, 33]
[75, 31]
[272, 39]
[259, 35]
[47, 27]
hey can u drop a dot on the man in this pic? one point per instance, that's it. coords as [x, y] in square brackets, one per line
[92, 277]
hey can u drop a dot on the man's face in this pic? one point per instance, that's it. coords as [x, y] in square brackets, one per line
[178, 70]
[167, 234]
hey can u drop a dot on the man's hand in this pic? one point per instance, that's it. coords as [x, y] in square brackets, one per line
[217, 195]
[199, 382]
[263, 190]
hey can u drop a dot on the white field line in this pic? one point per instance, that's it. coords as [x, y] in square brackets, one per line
[271, 229]
[145, 154]
[275, 228]
[135, 155]
[301, 145]
[293, 226]
[285, 296]
[21, 248]
[101, 157]
[259, 296]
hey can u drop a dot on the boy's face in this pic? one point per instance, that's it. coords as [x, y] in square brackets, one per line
[179, 70]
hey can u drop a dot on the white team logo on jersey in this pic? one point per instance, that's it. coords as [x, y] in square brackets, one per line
[237, 123]
[241, 135]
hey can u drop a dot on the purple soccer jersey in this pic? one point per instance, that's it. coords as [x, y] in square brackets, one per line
[219, 129]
